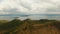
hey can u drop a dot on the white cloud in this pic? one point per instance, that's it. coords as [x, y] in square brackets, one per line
[29, 6]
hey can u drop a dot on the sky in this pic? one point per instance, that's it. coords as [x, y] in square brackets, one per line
[29, 7]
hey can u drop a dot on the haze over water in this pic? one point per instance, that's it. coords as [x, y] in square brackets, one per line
[32, 16]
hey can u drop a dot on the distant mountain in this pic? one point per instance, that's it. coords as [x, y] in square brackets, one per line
[14, 15]
[29, 14]
[45, 14]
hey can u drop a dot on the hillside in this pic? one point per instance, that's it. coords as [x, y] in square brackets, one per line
[43, 26]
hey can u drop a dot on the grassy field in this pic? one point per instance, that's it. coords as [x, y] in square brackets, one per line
[42, 26]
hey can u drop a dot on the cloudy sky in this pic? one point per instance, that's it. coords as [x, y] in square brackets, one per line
[22, 7]
[30, 6]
